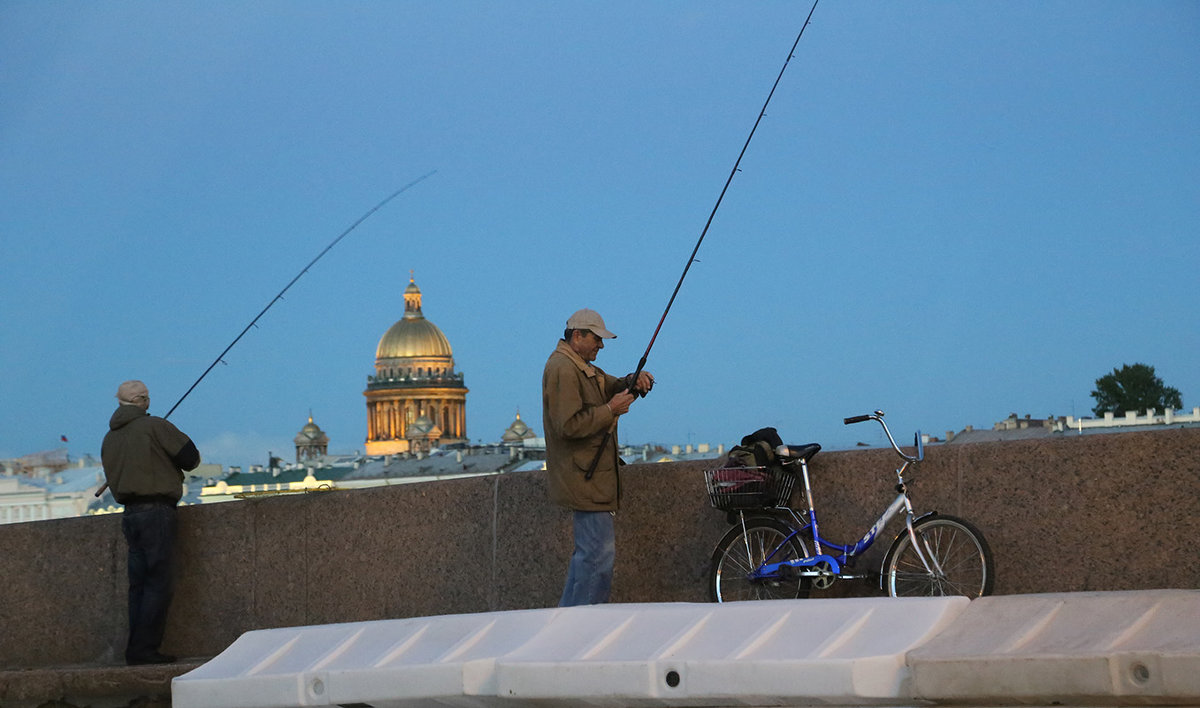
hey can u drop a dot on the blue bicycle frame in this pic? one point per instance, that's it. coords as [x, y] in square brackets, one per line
[831, 563]
[823, 564]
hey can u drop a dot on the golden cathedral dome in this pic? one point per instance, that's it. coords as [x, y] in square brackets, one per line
[415, 400]
[413, 335]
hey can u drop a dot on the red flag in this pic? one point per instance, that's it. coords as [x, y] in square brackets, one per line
[64, 437]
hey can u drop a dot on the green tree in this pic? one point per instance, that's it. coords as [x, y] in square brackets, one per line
[1133, 388]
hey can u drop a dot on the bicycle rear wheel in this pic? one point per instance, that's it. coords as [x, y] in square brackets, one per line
[736, 556]
[960, 561]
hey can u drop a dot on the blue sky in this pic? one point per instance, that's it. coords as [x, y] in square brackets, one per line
[952, 211]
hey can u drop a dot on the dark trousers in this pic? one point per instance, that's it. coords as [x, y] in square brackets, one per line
[150, 532]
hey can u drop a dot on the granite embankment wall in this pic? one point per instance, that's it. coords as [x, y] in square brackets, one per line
[1096, 512]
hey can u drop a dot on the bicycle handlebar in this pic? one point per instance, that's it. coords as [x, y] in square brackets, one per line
[878, 415]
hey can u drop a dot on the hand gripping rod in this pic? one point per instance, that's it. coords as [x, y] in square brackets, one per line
[692, 258]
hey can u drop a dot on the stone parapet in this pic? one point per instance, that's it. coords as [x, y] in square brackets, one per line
[1098, 512]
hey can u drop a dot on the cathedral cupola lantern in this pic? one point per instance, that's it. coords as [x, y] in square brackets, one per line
[311, 442]
[517, 433]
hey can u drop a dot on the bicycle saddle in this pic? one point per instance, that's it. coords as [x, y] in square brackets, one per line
[801, 452]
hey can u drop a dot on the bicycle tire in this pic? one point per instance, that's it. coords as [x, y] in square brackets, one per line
[959, 550]
[730, 565]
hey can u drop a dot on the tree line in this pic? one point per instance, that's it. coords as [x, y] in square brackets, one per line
[1133, 388]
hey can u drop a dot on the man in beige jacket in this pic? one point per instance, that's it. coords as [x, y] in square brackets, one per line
[580, 404]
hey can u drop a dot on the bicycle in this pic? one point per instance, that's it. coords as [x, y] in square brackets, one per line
[764, 555]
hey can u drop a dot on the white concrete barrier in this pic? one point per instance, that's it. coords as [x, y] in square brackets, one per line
[393, 663]
[1102, 648]
[848, 652]
[1118, 648]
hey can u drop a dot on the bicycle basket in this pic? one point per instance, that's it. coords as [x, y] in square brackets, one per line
[733, 488]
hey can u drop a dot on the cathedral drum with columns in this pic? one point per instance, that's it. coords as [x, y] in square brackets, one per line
[415, 400]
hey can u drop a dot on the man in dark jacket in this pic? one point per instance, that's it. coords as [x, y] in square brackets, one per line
[580, 403]
[144, 457]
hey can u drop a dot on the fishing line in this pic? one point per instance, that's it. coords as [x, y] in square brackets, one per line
[692, 258]
[304, 270]
[279, 296]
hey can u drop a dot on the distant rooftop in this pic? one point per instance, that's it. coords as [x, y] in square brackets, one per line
[1028, 428]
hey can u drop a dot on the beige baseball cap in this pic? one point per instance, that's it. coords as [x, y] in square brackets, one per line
[130, 393]
[590, 320]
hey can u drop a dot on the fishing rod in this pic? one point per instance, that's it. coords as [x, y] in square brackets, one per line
[692, 258]
[279, 296]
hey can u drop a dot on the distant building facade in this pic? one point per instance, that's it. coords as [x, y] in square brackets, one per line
[416, 401]
[54, 494]
[1135, 419]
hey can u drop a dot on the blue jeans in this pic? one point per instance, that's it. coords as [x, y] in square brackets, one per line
[589, 576]
[150, 531]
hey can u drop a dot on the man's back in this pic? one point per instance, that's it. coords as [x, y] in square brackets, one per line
[143, 455]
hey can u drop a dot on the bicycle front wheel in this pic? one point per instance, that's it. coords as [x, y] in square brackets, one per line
[959, 560]
[737, 555]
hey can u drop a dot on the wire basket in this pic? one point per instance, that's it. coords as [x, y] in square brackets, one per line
[733, 488]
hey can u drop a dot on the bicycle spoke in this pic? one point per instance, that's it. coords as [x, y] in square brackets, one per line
[741, 554]
[958, 563]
